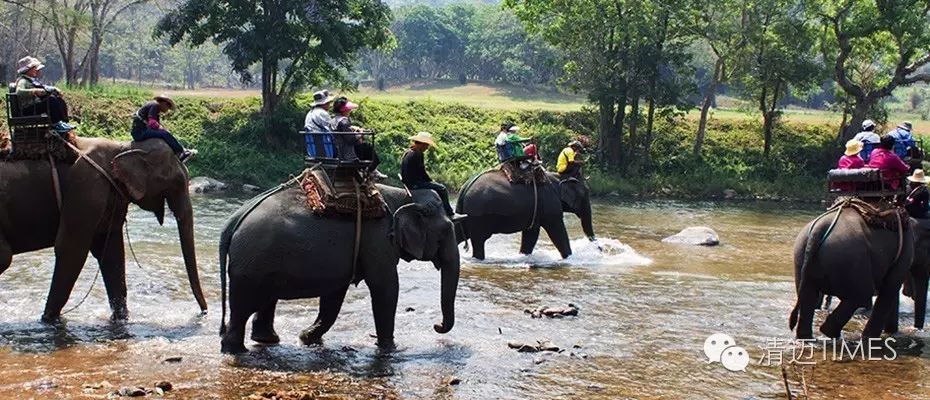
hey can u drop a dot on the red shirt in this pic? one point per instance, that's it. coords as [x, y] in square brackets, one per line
[892, 167]
[850, 162]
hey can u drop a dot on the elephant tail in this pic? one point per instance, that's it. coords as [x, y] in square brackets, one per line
[793, 318]
[814, 239]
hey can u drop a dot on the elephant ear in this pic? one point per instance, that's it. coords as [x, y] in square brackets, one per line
[131, 168]
[570, 193]
[411, 232]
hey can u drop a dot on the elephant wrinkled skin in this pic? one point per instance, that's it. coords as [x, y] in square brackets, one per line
[278, 249]
[494, 205]
[93, 213]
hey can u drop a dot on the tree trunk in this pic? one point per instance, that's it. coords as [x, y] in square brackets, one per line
[610, 141]
[859, 113]
[634, 125]
[619, 118]
[709, 99]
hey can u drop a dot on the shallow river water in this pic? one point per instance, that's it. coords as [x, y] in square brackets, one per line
[645, 310]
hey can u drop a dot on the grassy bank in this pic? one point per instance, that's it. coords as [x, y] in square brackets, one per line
[234, 144]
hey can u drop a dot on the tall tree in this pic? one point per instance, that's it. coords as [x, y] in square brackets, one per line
[779, 58]
[296, 42]
[875, 46]
[723, 25]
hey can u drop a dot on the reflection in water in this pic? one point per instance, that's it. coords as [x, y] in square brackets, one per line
[645, 309]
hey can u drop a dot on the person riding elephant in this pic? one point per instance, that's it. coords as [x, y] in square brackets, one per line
[36, 98]
[95, 193]
[146, 124]
[568, 165]
[844, 256]
[495, 205]
[275, 248]
[414, 175]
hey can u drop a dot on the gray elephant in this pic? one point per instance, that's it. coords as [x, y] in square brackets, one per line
[494, 205]
[277, 249]
[95, 194]
[845, 257]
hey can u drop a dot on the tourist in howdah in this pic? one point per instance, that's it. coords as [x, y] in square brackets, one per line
[351, 147]
[850, 158]
[320, 122]
[891, 166]
[36, 98]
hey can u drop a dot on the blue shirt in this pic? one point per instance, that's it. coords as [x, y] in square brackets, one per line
[903, 141]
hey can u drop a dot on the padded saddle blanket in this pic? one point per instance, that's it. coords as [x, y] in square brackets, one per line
[335, 194]
[515, 174]
[881, 215]
[37, 145]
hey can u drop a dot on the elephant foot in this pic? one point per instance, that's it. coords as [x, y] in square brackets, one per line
[310, 337]
[120, 316]
[832, 333]
[386, 344]
[51, 320]
[265, 336]
[120, 311]
[232, 347]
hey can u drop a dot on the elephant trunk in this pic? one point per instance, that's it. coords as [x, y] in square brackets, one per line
[584, 213]
[181, 207]
[450, 283]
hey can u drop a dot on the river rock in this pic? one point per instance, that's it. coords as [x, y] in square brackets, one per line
[164, 386]
[729, 194]
[540, 345]
[203, 184]
[553, 312]
[132, 392]
[250, 188]
[695, 236]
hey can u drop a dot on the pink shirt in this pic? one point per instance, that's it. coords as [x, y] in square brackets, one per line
[850, 162]
[892, 167]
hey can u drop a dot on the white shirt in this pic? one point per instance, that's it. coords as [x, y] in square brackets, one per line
[866, 136]
[501, 138]
[318, 120]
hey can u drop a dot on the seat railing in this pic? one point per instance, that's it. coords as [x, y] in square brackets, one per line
[323, 147]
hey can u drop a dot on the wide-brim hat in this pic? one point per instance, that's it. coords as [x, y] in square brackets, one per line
[853, 147]
[918, 177]
[576, 143]
[27, 63]
[164, 98]
[513, 129]
[906, 125]
[322, 97]
[424, 137]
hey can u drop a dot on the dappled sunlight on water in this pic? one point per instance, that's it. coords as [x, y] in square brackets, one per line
[645, 308]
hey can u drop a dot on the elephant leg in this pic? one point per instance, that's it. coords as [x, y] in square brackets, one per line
[808, 297]
[891, 321]
[559, 237]
[330, 305]
[920, 301]
[6, 256]
[884, 307]
[110, 254]
[833, 326]
[263, 325]
[477, 245]
[70, 254]
[241, 307]
[528, 240]
[384, 305]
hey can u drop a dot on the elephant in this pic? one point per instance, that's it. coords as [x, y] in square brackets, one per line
[843, 256]
[494, 205]
[94, 203]
[278, 249]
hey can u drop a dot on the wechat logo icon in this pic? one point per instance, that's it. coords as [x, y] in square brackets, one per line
[722, 348]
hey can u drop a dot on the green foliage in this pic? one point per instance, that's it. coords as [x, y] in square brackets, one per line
[229, 135]
[307, 43]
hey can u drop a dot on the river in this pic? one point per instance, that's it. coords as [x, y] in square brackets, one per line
[646, 309]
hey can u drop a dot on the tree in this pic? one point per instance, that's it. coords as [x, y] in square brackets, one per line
[723, 25]
[614, 51]
[778, 59]
[874, 47]
[296, 42]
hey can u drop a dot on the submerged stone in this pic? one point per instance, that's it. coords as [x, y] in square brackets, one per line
[695, 236]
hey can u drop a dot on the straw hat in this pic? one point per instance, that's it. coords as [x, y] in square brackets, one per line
[27, 63]
[164, 98]
[424, 137]
[918, 177]
[906, 125]
[853, 147]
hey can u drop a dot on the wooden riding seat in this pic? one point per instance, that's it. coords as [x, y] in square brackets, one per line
[31, 136]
